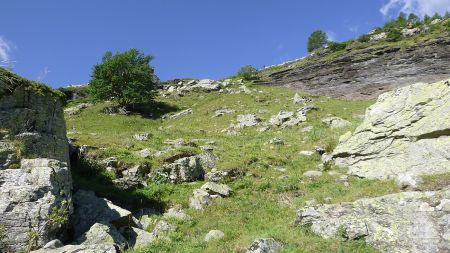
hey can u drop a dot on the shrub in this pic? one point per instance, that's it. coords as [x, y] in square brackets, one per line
[364, 38]
[316, 40]
[394, 35]
[336, 46]
[248, 72]
[125, 78]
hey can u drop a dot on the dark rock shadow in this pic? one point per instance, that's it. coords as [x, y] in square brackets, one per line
[153, 110]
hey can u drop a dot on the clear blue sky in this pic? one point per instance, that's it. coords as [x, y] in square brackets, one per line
[58, 42]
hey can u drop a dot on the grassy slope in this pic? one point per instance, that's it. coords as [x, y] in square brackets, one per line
[262, 204]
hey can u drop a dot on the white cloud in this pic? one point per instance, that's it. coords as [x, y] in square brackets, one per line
[6, 48]
[331, 35]
[43, 74]
[419, 7]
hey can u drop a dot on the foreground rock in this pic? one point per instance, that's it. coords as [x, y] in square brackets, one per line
[98, 248]
[103, 234]
[406, 131]
[214, 235]
[186, 169]
[404, 222]
[203, 196]
[265, 245]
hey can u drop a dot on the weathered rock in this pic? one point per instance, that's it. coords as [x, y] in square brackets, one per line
[145, 153]
[301, 99]
[33, 193]
[54, 244]
[186, 169]
[335, 122]
[141, 136]
[77, 109]
[128, 183]
[217, 189]
[163, 227]
[410, 32]
[221, 112]
[199, 199]
[408, 181]
[113, 110]
[102, 234]
[138, 238]
[214, 235]
[276, 141]
[265, 245]
[182, 113]
[379, 36]
[177, 212]
[208, 160]
[312, 174]
[247, 120]
[286, 119]
[306, 153]
[406, 131]
[98, 248]
[228, 174]
[403, 222]
[90, 209]
[135, 171]
[205, 85]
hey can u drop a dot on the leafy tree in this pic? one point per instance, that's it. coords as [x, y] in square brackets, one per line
[427, 19]
[364, 38]
[413, 18]
[125, 78]
[316, 40]
[248, 72]
[394, 35]
[447, 15]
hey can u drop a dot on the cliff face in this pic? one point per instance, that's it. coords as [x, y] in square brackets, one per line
[366, 73]
[35, 181]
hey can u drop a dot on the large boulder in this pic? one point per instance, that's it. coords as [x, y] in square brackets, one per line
[97, 248]
[103, 234]
[186, 169]
[406, 131]
[402, 222]
[30, 198]
[90, 209]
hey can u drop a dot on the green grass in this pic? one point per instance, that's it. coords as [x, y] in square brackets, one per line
[262, 204]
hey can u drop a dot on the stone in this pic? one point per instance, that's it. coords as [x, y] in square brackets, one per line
[326, 157]
[335, 122]
[247, 120]
[208, 160]
[199, 199]
[280, 118]
[265, 245]
[109, 162]
[306, 153]
[221, 112]
[163, 227]
[312, 174]
[410, 32]
[406, 131]
[214, 235]
[141, 136]
[102, 234]
[401, 222]
[301, 99]
[217, 189]
[177, 212]
[138, 238]
[145, 153]
[135, 171]
[206, 85]
[53, 244]
[228, 174]
[182, 113]
[343, 179]
[187, 169]
[113, 110]
[77, 109]
[98, 248]
[408, 181]
[436, 21]
[379, 36]
[90, 209]
[128, 183]
[307, 129]
[30, 193]
[277, 141]
[444, 206]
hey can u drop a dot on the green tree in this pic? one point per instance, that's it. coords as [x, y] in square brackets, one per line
[316, 40]
[125, 78]
[248, 72]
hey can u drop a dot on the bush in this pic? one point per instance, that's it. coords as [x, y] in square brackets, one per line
[316, 40]
[125, 78]
[336, 46]
[248, 72]
[394, 35]
[364, 38]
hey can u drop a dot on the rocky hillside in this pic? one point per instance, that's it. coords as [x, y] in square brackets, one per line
[365, 70]
[35, 180]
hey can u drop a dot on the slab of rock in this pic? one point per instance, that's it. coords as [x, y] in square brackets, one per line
[217, 189]
[177, 212]
[301, 99]
[247, 120]
[205, 85]
[163, 227]
[186, 169]
[403, 222]
[102, 234]
[137, 237]
[90, 209]
[406, 131]
[265, 245]
[199, 199]
[29, 194]
[77, 109]
[98, 248]
[312, 174]
[221, 112]
[335, 122]
[214, 235]
[182, 113]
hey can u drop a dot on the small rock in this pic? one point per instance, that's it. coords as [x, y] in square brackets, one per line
[145, 153]
[214, 235]
[343, 179]
[163, 227]
[265, 245]
[177, 212]
[102, 234]
[335, 122]
[181, 114]
[221, 112]
[312, 174]
[141, 136]
[408, 181]
[307, 129]
[306, 153]
[214, 188]
[444, 206]
[54, 244]
[277, 141]
[199, 199]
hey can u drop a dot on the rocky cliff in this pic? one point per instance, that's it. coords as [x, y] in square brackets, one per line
[35, 181]
[367, 72]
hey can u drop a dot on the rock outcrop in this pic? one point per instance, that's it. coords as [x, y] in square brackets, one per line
[403, 222]
[35, 194]
[406, 132]
[366, 73]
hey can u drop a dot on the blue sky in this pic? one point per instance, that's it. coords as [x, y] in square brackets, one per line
[58, 42]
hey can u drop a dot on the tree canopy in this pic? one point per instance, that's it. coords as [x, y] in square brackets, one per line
[316, 40]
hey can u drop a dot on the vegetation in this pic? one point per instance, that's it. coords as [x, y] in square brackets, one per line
[264, 200]
[316, 40]
[248, 72]
[125, 78]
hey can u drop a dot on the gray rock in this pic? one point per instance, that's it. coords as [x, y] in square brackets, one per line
[30, 193]
[307, 129]
[141, 136]
[407, 181]
[221, 112]
[402, 222]
[145, 153]
[247, 120]
[90, 209]
[265, 245]
[306, 153]
[54, 244]
[77, 109]
[199, 199]
[410, 32]
[405, 132]
[98, 248]
[335, 122]
[162, 228]
[135, 171]
[208, 160]
[326, 157]
[138, 238]
[301, 99]
[277, 141]
[379, 36]
[102, 234]
[186, 169]
[217, 189]
[214, 235]
[177, 212]
[312, 174]
[182, 113]
[205, 85]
